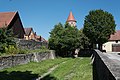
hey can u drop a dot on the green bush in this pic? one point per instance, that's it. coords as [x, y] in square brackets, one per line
[21, 51]
[11, 50]
[6, 39]
[43, 47]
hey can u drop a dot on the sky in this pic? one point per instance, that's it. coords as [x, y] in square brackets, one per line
[42, 15]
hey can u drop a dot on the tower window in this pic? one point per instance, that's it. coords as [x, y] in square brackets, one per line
[71, 22]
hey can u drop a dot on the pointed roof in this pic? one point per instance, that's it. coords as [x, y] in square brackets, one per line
[6, 18]
[28, 31]
[71, 17]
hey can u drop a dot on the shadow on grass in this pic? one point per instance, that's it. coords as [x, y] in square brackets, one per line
[17, 75]
[49, 77]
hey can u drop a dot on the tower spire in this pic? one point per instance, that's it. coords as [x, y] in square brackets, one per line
[71, 20]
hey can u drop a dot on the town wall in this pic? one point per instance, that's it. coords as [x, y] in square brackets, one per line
[30, 44]
[9, 61]
[105, 67]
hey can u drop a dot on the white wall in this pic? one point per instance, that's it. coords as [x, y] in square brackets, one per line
[72, 23]
[108, 45]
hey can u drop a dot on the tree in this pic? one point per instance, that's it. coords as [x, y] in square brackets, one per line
[55, 38]
[71, 39]
[84, 41]
[98, 26]
[64, 39]
[6, 39]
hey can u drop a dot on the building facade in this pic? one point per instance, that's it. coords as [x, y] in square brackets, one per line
[11, 20]
[29, 34]
[113, 44]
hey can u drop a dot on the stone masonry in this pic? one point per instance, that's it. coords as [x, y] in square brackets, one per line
[9, 61]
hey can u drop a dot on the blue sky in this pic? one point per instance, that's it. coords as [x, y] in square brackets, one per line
[42, 15]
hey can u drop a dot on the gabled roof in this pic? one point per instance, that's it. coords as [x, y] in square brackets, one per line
[71, 17]
[38, 37]
[43, 39]
[27, 31]
[6, 18]
[115, 36]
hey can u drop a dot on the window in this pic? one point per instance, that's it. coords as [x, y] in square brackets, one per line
[116, 41]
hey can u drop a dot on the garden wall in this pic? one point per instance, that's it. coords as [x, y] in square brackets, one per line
[9, 61]
[30, 44]
[105, 66]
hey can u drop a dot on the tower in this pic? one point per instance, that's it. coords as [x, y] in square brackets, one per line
[71, 20]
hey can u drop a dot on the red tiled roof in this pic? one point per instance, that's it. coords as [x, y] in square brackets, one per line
[38, 37]
[115, 36]
[6, 18]
[27, 31]
[71, 17]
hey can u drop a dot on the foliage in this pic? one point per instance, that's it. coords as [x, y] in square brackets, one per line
[85, 42]
[98, 26]
[21, 51]
[11, 49]
[6, 39]
[64, 39]
[43, 47]
[55, 36]
[38, 50]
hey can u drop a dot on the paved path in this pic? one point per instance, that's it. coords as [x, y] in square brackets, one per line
[113, 56]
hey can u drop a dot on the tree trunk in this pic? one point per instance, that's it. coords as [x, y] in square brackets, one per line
[100, 46]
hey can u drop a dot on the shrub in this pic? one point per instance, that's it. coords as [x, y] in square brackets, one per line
[11, 50]
[6, 39]
[43, 47]
[21, 51]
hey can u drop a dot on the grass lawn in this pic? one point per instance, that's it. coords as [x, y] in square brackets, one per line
[72, 69]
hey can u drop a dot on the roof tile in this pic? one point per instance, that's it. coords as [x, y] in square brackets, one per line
[6, 18]
[27, 31]
[71, 17]
[115, 36]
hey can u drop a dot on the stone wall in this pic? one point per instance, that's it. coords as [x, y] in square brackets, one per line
[30, 44]
[9, 61]
[105, 66]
